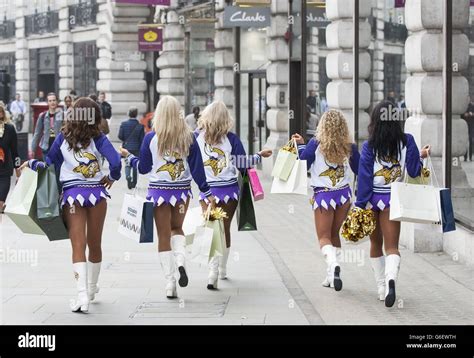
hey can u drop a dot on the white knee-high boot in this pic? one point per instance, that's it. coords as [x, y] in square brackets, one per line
[223, 264]
[392, 266]
[93, 271]
[378, 266]
[169, 269]
[81, 304]
[333, 268]
[178, 245]
[213, 273]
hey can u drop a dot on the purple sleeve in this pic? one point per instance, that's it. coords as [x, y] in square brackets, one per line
[197, 168]
[365, 181]
[113, 157]
[308, 151]
[413, 161]
[144, 163]
[54, 157]
[354, 159]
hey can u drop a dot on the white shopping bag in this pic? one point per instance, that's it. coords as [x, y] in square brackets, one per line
[131, 215]
[415, 203]
[192, 220]
[297, 183]
[201, 249]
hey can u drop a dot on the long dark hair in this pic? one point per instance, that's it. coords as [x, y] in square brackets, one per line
[81, 124]
[386, 135]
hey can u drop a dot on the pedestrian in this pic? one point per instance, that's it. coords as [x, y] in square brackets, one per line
[73, 94]
[9, 158]
[48, 127]
[312, 102]
[131, 133]
[172, 158]
[75, 155]
[40, 98]
[330, 155]
[385, 157]
[192, 119]
[324, 105]
[104, 123]
[223, 156]
[469, 118]
[105, 107]
[18, 110]
[67, 105]
[392, 97]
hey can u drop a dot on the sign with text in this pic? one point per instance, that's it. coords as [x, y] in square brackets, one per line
[235, 16]
[145, 2]
[399, 3]
[316, 17]
[150, 39]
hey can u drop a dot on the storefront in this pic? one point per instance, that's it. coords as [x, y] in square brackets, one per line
[44, 74]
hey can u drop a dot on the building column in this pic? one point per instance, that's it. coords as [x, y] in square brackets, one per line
[121, 70]
[22, 57]
[224, 59]
[312, 58]
[277, 77]
[171, 59]
[378, 90]
[339, 62]
[424, 98]
[65, 52]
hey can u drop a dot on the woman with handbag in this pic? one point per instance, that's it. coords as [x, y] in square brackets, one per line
[223, 155]
[385, 157]
[330, 156]
[171, 157]
[75, 154]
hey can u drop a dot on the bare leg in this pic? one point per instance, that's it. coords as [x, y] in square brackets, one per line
[323, 220]
[339, 217]
[163, 226]
[76, 218]
[95, 226]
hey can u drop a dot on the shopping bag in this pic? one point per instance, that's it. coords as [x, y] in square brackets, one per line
[21, 205]
[202, 243]
[285, 162]
[136, 219]
[447, 213]
[255, 185]
[415, 203]
[192, 220]
[297, 183]
[218, 238]
[49, 215]
[246, 220]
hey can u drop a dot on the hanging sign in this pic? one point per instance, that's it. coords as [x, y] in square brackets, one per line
[150, 38]
[145, 2]
[316, 17]
[235, 16]
[399, 3]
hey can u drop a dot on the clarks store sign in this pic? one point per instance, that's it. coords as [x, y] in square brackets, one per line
[235, 16]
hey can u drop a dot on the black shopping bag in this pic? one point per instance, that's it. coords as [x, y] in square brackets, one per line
[48, 214]
[146, 234]
[246, 220]
[447, 212]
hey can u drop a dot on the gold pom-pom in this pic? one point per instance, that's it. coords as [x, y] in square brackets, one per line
[358, 224]
[425, 173]
[290, 147]
[217, 214]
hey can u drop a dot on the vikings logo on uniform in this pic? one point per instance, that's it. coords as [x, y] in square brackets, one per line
[217, 159]
[88, 164]
[391, 170]
[335, 173]
[174, 165]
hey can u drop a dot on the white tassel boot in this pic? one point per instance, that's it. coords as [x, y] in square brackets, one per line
[93, 271]
[378, 266]
[213, 273]
[326, 282]
[392, 266]
[223, 264]
[168, 266]
[333, 268]
[81, 304]
[178, 245]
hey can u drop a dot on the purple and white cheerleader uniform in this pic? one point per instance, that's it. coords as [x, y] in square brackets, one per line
[222, 163]
[80, 172]
[170, 174]
[330, 182]
[376, 175]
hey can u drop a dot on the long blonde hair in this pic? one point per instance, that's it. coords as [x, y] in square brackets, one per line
[216, 122]
[6, 115]
[172, 132]
[334, 137]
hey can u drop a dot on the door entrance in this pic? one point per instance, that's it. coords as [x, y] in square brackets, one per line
[251, 122]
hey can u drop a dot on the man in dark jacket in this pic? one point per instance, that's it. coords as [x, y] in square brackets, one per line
[469, 118]
[131, 133]
[105, 106]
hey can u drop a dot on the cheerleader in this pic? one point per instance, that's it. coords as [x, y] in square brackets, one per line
[330, 156]
[223, 155]
[75, 154]
[385, 157]
[172, 158]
